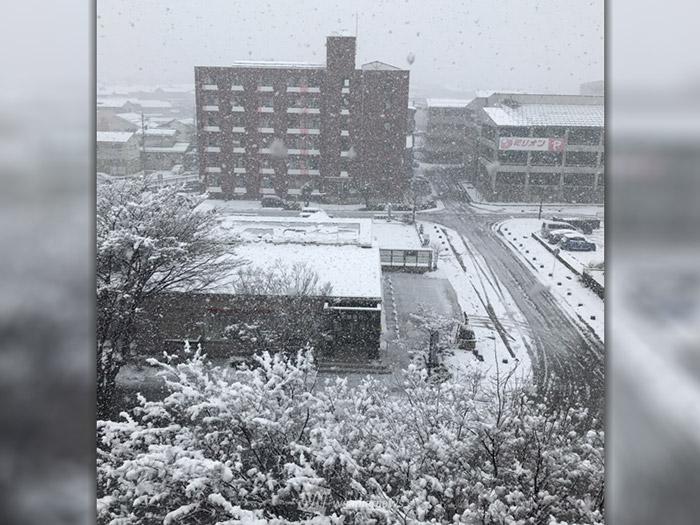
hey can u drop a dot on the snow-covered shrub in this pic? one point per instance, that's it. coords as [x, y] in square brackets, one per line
[272, 443]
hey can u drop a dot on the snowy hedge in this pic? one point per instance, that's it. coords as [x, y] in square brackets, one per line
[271, 444]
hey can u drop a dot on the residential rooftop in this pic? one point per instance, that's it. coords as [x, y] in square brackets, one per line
[114, 136]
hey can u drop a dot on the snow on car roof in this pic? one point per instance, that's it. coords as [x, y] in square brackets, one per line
[581, 115]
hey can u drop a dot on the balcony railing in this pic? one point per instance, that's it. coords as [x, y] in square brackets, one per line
[303, 131]
[304, 111]
[303, 89]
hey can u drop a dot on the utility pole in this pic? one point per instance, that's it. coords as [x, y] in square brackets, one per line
[143, 143]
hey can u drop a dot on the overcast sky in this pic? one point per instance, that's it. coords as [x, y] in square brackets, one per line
[548, 46]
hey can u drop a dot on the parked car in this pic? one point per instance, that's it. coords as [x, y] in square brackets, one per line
[292, 205]
[272, 201]
[585, 224]
[308, 211]
[576, 243]
[556, 235]
[549, 226]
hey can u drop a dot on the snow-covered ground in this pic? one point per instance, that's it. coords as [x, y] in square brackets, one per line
[477, 287]
[579, 301]
[233, 206]
[480, 205]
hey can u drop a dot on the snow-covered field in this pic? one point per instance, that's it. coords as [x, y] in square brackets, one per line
[477, 287]
[575, 298]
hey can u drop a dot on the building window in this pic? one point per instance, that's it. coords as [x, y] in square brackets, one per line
[504, 177]
[518, 158]
[584, 136]
[579, 179]
[210, 99]
[512, 132]
[211, 120]
[544, 179]
[488, 132]
[548, 132]
[545, 158]
[346, 82]
[581, 158]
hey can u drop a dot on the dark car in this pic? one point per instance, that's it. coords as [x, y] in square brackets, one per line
[576, 243]
[272, 201]
[292, 205]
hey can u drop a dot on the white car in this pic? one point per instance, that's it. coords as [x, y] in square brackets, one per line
[308, 211]
[554, 236]
[549, 226]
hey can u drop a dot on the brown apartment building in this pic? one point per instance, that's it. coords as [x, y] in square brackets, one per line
[274, 127]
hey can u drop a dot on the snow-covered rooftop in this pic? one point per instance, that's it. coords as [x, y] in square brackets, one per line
[396, 236]
[583, 115]
[486, 93]
[134, 118]
[352, 271]
[109, 102]
[276, 64]
[178, 147]
[316, 229]
[379, 66]
[447, 102]
[114, 136]
[152, 103]
[159, 132]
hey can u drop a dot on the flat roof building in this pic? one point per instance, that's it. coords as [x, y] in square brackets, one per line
[529, 147]
[444, 140]
[273, 127]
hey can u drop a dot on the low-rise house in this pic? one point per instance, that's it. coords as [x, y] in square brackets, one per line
[117, 153]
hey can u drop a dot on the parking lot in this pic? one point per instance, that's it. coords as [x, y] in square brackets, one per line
[406, 294]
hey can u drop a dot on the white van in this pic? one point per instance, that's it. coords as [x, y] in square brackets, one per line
[548, 226]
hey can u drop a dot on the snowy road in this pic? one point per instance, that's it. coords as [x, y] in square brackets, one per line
[568, 362]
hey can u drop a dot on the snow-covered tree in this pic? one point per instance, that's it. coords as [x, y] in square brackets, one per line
[148, 241]
[269, 442]
[283, 307]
